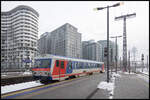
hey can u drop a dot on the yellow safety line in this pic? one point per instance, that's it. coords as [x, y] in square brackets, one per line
[42, 91]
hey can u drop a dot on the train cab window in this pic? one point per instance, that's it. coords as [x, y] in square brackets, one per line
[62, 64]
[45, 63]
[57, 63]
[37, 63]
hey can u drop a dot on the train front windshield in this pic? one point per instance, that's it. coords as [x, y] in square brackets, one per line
[42, 63]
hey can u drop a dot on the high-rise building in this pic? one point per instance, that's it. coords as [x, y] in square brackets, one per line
[91, 50]
[19, 34]
[63, 41]
[43, 43]
[112, 50]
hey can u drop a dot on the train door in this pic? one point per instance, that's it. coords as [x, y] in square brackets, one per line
[62, 68]
[59, 69]
[55, 73]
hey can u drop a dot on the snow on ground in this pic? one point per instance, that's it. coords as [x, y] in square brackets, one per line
[15, 87]
[3, 75]
[109, 86]
[116, 75]
[27, 73]
[145, 78]
[145, 70]
[129, 73]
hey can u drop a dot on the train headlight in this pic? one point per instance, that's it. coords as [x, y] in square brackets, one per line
[34, 73]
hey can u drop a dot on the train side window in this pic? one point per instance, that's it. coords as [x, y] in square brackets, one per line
[96, 65]
[62, 64]
[83, 65]
[57, 63]
[74, 65]
[80, 65]
[86, 65]
[70, 65]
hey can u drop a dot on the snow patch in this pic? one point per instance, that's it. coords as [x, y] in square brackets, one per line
[15, 87]
[106, 85]
[27, 73]
[115, 75]
[129, 73]
[144, 78]
[4, 75]
[109, 86]
[145, 70]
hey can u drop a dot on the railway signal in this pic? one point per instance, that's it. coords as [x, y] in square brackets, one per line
[105, 52]
[142, 58]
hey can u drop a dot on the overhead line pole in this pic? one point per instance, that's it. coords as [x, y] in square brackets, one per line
[124, 17]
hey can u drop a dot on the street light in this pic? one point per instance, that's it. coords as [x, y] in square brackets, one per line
[101, 8]
[116, 49]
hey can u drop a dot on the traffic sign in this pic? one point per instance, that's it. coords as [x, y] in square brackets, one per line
[27, 61]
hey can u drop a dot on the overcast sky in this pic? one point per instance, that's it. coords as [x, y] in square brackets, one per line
[93, 24]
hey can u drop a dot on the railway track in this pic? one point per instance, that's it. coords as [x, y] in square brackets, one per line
[16, 80]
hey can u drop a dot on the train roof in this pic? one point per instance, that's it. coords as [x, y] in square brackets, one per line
[46, 56]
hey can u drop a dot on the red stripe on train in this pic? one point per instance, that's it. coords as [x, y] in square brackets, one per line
[74, 74]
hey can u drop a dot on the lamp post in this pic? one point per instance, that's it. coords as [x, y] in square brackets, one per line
[100, 8]
[116, 50]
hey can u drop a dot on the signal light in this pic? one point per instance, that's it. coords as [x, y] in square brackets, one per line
[105, 51]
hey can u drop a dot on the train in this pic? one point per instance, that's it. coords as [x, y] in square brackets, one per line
[53, 67]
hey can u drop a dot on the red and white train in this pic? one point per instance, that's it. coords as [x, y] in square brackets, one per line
[52, 67]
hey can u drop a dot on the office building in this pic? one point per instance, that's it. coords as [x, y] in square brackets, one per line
[19, 34]
[91, 50]
[63, 41]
